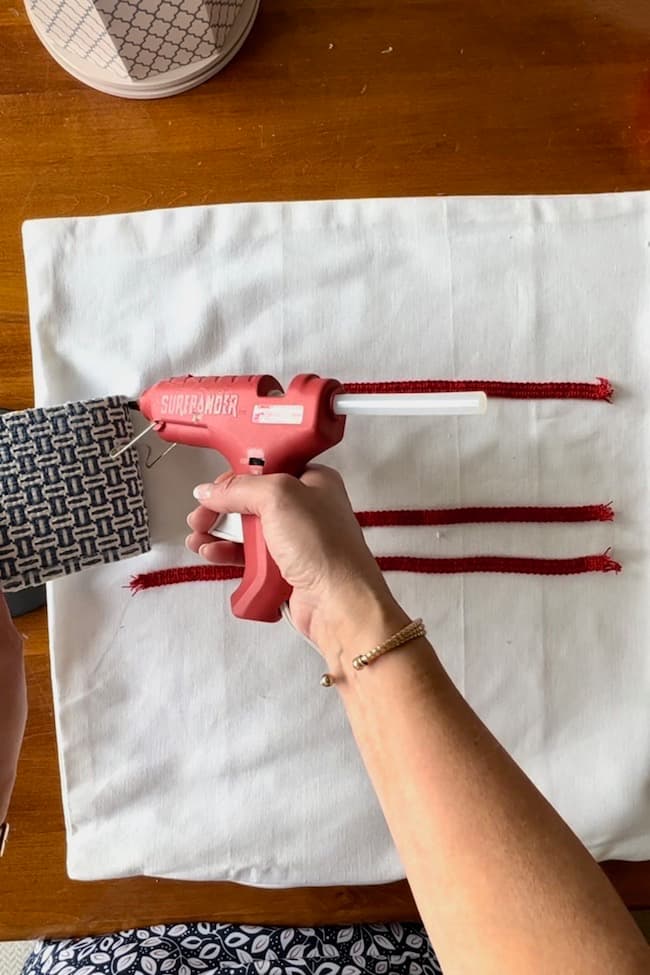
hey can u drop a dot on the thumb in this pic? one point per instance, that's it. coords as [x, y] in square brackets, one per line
[243, 494]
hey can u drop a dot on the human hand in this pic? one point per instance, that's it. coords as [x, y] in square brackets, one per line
[314, 538]
[13, 704]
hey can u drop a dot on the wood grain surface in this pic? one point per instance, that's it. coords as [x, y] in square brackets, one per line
[328, 98]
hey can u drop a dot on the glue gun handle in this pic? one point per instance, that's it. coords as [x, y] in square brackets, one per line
[262, 590]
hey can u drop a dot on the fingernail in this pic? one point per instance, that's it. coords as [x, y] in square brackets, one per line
[202, 491]
[203, 549]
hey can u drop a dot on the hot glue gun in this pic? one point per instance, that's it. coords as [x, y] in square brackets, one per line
[261, 429]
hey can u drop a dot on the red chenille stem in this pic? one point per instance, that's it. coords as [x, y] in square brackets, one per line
[602, 389]
[400, 563]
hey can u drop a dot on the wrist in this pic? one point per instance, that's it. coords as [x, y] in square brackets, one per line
[358, 620]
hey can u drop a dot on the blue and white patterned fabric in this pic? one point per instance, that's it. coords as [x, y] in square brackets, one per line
[65, 503]
[212, 949]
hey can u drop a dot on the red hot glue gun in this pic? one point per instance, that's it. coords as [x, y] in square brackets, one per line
[261, 429]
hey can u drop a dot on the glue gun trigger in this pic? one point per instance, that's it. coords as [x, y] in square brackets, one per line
[229, 528]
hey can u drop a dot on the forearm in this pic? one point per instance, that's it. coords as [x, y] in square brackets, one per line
[502, 884]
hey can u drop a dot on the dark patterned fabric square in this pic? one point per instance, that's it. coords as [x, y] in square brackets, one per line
[65, 503]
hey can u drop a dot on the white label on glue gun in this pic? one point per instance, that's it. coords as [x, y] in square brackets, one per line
[281, 413]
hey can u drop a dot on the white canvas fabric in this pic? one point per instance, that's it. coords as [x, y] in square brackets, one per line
[193, 745]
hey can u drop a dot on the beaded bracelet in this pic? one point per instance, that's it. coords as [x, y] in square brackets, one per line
[412, 631]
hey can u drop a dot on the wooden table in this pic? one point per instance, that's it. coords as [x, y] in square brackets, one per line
[329, 98]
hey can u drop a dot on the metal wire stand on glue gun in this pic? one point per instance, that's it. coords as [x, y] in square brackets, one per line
[261, 429]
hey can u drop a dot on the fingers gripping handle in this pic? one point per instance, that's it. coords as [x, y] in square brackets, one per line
[262, 590]
[277, 433]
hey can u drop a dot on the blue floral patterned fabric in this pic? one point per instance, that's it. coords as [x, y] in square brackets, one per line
[241, 949]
